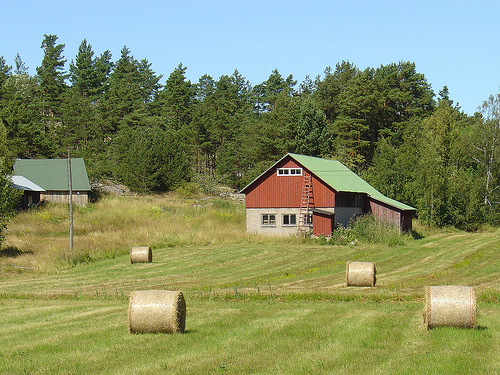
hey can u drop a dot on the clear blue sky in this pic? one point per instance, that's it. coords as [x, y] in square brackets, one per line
[453, 43]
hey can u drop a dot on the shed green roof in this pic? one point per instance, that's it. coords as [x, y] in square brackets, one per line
[52, 174]
[336, 175]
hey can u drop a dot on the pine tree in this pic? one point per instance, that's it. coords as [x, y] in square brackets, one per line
[51, 76]
[150, 158]
[5, 72]
[81, 124]
[279, 127]
[21, 67]
[125, 93]
[82, 72]
[268, 91]
[402, 93]
[202, 152]
[329, 89]
[311, 138]
[177, 99]
[21, 115]
[351, 131]
[88, 74]
[221, 110]
[307, 86]
[133, 86]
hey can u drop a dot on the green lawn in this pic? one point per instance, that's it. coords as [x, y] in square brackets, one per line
[254, 305]
[63, 336]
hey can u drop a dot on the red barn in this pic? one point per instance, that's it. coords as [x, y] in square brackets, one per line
[305, 193]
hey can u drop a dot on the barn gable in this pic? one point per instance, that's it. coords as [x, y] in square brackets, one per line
[316, 195]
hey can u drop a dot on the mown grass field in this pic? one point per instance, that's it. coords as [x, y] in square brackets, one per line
[254, 305]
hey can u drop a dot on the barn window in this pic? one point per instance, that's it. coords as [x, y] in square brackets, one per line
[269, 219]
[289, 171]
[290, 219]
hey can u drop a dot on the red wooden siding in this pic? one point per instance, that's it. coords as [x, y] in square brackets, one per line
[271, 190]
[402, 219]
[324, 196]
[323, 224]
[385, 213]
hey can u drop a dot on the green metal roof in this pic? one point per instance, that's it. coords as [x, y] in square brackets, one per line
[336, 175]
[52, 174]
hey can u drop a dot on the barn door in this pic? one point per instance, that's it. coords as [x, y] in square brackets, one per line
[323, 224]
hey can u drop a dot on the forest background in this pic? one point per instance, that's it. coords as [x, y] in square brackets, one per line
[154, 135]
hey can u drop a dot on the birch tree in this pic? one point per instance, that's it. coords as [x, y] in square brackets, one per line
[486, 144]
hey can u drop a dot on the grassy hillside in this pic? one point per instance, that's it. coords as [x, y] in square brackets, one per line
[255, 305]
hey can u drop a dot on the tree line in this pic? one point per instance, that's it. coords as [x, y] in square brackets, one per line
[132, 126]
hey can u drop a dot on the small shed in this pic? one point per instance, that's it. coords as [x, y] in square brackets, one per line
[305, 193]
[51, 176]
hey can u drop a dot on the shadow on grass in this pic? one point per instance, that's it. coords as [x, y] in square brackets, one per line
[12, 252]
[416, 235]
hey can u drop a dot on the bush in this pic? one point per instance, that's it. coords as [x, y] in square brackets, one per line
[367, 229]
[187, 190]
[342, 236]
[207, 184]
[9, 200]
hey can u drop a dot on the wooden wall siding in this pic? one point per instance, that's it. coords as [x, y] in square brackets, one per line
[271, 190]
[386, 213]
[78, 198]
[323, 224]
[324, 196]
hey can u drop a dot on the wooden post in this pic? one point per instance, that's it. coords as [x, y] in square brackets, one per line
[70, 184]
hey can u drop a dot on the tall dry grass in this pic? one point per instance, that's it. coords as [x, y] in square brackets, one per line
[114, 224]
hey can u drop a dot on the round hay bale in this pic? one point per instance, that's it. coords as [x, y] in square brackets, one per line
[360, 274]
[450, 306]
[141, 254]
[155, 311]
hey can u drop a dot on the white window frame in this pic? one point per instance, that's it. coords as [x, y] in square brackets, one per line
[268, 220]
[289, 172]
[308, 217]
[289, 219]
